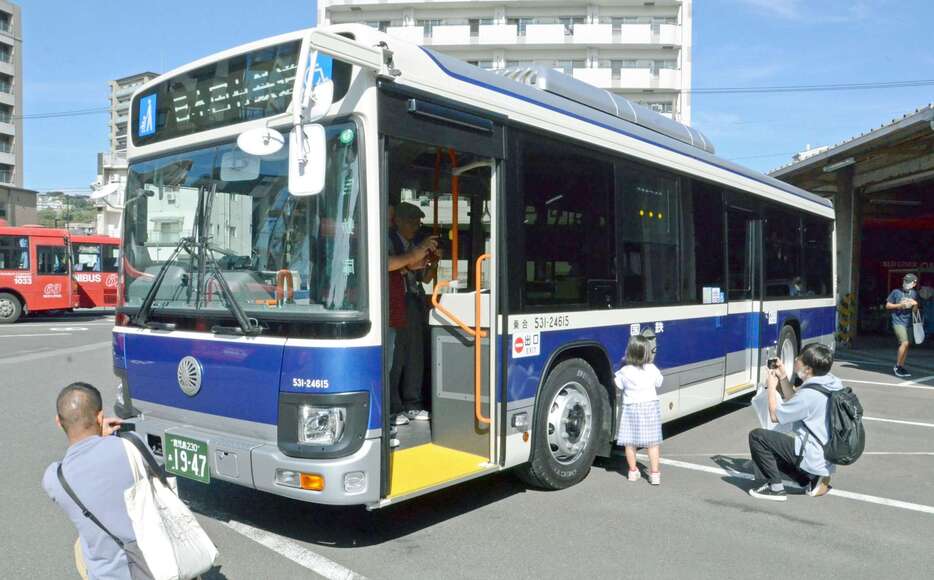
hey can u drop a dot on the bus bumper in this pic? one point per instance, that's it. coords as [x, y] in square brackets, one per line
[254, 463]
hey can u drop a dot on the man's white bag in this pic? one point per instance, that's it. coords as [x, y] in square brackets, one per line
[760, 405]
[172, 542]
[917, 325]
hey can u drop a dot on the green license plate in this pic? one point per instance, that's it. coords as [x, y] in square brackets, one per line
[187, 458]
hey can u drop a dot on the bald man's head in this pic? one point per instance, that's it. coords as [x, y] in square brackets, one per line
[78, 406]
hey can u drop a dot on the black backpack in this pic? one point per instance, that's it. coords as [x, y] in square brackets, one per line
[845, 423]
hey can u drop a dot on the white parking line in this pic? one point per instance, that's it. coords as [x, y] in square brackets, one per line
[916, 423]
[864, 362]
[915, 381]
[905, 505]
[17, 359]
[880, 384]
[296, 553]
[39, 334]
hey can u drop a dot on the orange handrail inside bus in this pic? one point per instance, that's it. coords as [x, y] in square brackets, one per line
[477, 333]
[285, 286]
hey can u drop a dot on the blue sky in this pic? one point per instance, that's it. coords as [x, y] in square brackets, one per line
[72, 49]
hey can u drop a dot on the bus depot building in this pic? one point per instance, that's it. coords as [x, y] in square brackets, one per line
[882, 186]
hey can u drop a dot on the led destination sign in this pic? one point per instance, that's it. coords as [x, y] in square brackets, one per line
[249, 86]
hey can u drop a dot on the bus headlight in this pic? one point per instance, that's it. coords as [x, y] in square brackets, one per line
[321, 425]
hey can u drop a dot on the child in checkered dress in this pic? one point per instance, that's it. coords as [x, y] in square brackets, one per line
[641, 422]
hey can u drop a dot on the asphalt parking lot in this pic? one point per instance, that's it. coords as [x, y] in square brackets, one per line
[699, 523]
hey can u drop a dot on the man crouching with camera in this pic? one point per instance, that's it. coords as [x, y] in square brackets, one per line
[800, 457]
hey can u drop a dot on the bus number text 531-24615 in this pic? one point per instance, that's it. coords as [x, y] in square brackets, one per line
[300, 383]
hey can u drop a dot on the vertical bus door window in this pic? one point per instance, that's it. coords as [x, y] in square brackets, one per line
[14, 253]
[650, 235]
[569, 242]
[110, 258]
[783, 255]
[53, 260]
[740, 270]
[702, 254]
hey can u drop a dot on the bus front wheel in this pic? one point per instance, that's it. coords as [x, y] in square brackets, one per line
[10, 308]
[567, 429]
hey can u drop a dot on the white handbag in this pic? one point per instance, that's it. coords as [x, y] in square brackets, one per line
[172, 542]
[917, 326]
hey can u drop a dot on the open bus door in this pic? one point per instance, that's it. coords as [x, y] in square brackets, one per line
[451, 173]
[744, 299]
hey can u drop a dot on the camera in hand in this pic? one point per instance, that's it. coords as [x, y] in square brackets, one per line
[772, 363]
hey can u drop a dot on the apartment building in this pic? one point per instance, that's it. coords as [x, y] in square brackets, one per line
[638, 49]
[11, 95]
[112, 165]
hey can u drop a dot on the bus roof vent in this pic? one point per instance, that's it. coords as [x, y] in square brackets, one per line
[562, 85]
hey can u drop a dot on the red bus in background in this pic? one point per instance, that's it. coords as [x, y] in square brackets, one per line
[95, 261]
[35, 272]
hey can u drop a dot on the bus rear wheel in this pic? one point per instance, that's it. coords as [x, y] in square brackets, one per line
[568, 427]
[10, 308]
[788, 349]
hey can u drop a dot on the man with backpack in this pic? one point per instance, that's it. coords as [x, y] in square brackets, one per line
[825, 419]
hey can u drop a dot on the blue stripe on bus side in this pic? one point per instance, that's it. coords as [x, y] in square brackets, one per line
[681, 342]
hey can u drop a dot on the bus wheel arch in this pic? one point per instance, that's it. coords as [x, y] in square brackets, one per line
[12, 306]
[574, 395]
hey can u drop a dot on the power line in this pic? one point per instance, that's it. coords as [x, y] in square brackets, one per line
[813, 88]
[59, 114]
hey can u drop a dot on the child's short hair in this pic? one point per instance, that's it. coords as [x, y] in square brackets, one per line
[638, 351]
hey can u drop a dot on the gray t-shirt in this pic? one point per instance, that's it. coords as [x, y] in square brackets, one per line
[98, 470]
[809, 407]
[901, 317]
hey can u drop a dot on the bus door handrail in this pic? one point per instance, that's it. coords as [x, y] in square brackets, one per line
[477, 333]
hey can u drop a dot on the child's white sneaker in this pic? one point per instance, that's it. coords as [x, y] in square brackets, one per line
[634, 475]
[655, 478]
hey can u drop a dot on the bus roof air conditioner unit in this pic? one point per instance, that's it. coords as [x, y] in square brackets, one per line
[567, 87]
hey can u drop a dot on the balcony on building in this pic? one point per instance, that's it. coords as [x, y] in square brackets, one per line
[414, 34]
[593, 33]
[646, 34]
[668, 79]
[631, 78]
[498, 34]
[450, 34]
[544, 33]
[7, 158]
[598, 77]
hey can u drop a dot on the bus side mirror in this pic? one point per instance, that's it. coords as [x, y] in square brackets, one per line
[307, 160]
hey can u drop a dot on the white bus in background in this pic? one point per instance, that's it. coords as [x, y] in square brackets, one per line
[250, 337]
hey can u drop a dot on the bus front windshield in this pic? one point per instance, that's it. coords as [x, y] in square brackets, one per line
[281, 255]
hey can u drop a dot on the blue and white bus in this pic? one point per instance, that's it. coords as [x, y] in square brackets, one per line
[253, 316]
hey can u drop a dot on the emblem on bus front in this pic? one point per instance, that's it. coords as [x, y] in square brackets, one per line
[189, 376]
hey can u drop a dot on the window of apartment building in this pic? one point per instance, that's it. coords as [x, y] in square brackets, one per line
[6, 21]
[658, 107]
[568, 66]
[487, 64]
[380, 25]
[569, 22]
[428, 25]
[6, 144]
[6, 173]
[6, 114]
[518, 63]
[520, 24]
[6, 53]
[6, 83]
[670, 64]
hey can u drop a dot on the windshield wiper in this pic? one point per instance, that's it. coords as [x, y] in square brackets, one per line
[142, 315]
[248, 326]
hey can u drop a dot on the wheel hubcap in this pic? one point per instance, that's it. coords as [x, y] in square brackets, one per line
[6, 308]
[570, 421]
[788, 357]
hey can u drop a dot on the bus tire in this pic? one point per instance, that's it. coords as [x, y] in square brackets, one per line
[568, 427]
[10, 308]
[788, 349]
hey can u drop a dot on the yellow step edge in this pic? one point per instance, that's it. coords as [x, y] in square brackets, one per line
[428, 465]
[738, 388]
